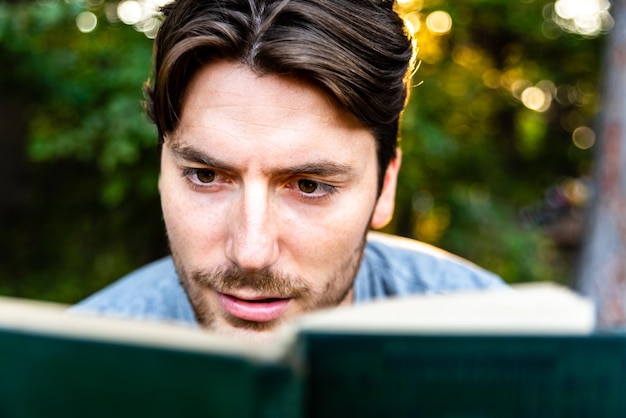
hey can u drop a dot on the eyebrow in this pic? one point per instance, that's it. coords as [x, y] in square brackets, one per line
[319, 168]
[196, 156]
[322, 168]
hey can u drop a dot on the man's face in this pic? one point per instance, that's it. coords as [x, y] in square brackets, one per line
[267, 190]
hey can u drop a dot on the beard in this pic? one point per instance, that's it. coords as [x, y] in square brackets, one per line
[336, 289]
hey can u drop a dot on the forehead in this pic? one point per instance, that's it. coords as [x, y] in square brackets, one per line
[229, 84]
[229, 107]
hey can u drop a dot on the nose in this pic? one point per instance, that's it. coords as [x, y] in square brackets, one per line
[252, 242]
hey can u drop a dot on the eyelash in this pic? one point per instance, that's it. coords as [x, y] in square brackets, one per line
[191, 175]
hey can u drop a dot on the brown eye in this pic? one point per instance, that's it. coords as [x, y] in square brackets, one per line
[205, 176]
[307, 186]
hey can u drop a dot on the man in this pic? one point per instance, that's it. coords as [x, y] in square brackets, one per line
[278, 122]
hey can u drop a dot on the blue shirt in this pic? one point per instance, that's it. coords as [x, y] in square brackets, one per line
[391, 266]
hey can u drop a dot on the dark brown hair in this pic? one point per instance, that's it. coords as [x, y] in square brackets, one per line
[356, 51]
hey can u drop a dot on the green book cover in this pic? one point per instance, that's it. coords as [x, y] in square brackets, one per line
[54, 364]
[452, 376]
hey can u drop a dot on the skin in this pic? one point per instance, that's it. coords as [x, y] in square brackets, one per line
[267, 190]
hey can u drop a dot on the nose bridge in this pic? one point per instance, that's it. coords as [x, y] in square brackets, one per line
[253, 237]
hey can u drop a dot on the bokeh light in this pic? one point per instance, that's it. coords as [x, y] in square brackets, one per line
[518, 87]
[583, 137]
[584, 17]
[86, 22]
[141, 14]
[407, 6]
[129, 12]
[536, 99]
[413, 22]
[577, 191]
[492, 78]
[439, 22]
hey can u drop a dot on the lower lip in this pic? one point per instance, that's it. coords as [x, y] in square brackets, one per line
[253, 311]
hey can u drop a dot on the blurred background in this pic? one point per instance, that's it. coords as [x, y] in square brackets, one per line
[498, 139]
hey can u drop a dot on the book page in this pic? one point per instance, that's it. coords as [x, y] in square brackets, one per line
[51, 319]
[533, 308]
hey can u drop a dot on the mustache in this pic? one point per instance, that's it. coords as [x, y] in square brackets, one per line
[265, 281]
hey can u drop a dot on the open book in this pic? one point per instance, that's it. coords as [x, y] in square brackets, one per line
[490, 351]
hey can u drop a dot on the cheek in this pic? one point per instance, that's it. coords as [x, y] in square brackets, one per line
[325, 234]
[188, 223]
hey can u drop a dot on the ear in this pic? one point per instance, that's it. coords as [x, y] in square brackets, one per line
[383, 211]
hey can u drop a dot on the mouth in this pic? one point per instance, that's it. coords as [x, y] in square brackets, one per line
[258, 309]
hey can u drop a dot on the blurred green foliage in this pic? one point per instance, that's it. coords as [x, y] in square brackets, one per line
[475, 156]
[82, 206]
[91, 212]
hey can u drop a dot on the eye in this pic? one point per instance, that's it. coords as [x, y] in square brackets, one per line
[308, 186]
[205, 176]
[314, 190]
[202, 177]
